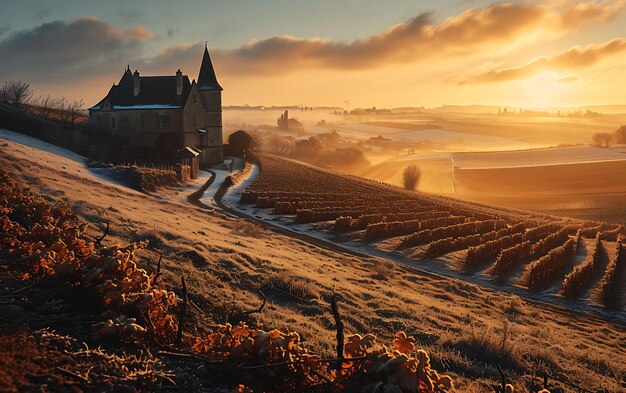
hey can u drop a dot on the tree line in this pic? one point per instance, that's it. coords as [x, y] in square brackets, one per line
[605, 139]
[20, 94]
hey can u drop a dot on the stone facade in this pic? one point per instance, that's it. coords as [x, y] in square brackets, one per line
[156, 116]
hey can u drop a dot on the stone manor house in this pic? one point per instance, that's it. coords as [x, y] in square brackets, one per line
[160, 117]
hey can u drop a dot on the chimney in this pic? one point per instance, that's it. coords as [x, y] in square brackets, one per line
[136, 83]
[179, 82]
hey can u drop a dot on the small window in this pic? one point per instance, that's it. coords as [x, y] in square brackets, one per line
[141, 121]
[195, 100]
[164, 121]
[113, 122]
[195, 121]
[125, 119]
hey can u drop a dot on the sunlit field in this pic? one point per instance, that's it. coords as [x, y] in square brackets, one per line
[540, 162]
[304, 196]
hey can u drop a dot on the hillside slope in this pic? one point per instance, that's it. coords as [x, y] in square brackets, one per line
[226, 260]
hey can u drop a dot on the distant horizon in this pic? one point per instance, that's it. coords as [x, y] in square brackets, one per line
[491, 106]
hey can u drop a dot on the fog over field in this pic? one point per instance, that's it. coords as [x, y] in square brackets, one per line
[459, 151]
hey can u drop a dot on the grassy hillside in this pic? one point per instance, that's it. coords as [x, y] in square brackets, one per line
[466, 329]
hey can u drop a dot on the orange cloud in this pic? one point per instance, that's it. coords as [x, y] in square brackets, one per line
[589, 12]
[419, 38]
[576, 57]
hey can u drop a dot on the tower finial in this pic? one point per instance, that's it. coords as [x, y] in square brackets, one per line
[206, 43]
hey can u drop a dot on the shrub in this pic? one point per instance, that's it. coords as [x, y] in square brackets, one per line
[411, 177]
[602, 139]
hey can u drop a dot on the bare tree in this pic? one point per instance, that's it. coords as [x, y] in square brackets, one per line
[255, 141]
[61, 110]
[602, 139]
[620, 135]
[45, 105]
[74, 110]
[411, 176]
[16, 93]
[280, 144]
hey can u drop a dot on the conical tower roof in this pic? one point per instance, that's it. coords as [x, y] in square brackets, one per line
[207, 79]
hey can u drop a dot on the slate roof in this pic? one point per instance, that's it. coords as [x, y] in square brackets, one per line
[153, 90]
[206, 78]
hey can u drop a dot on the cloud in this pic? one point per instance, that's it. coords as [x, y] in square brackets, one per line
[67, 50]
[62, 51]
[574, 58]
[590, 12]
[497, 27]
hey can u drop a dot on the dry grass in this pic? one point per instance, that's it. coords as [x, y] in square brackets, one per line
[45, 359]
[235, 268]
[488, 344]
[245, 229]
[297, 286]
[383, 269]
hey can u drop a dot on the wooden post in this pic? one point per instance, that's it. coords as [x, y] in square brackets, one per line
[339, 325]
[183, 311]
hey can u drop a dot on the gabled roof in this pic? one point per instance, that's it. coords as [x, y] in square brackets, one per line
[206, 78]
[153, 91]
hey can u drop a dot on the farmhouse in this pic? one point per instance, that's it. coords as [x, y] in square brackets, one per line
[157, 116]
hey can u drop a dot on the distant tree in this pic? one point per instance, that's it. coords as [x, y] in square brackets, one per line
[45, 105]
[241, 142]
[411, 177]
[62, 110]
[16, 93]
[307, 149]
[329, 139]
[620, 135]
[602, 139]
[74, 110]
[280, 144]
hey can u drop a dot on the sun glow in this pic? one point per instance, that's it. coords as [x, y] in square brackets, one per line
[545, 89]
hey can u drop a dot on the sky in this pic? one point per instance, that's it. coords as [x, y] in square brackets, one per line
[353, 53]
